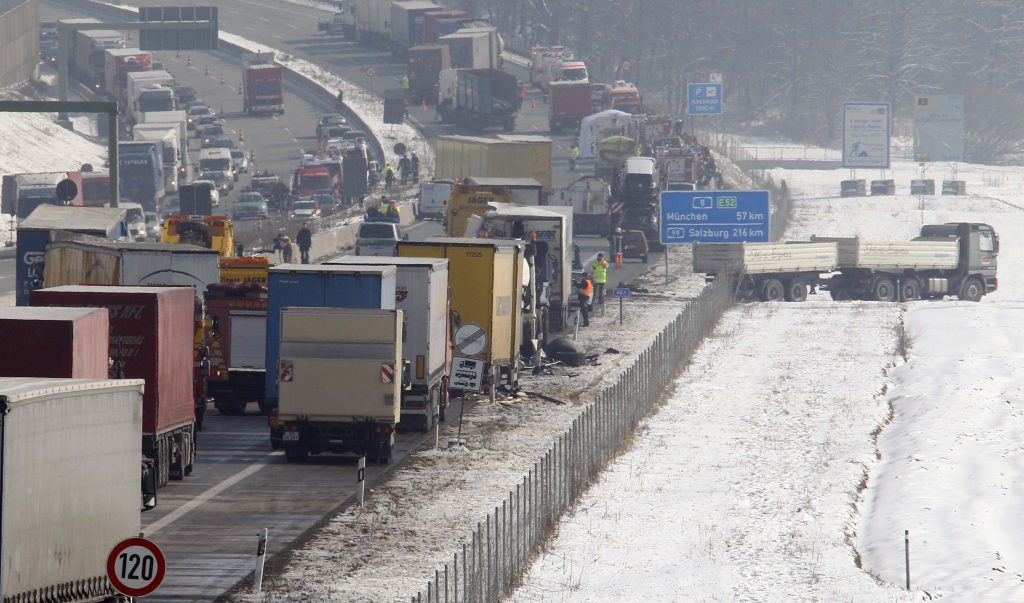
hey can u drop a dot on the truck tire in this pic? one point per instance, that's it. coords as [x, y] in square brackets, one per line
[972, 290]
[796, 290]
[839, 294]
[296, 454]
[772, 290]
[910, 289]
[883, 289]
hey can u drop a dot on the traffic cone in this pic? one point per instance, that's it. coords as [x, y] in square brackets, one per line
[424, 106]
[618, 260]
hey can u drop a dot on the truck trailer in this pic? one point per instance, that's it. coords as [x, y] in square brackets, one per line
[69, 489]
[957, 258]
[340, 378]
[55, 342]
[262, 85]
[477, 99]
[422, 295]
[424, 68]
[151, 338]
[407, 23]
[568, 104]
[118, 63]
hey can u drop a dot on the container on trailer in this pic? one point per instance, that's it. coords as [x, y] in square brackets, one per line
[68, 343]
[70, 454]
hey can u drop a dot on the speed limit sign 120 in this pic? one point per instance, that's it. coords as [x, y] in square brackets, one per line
[135, 567]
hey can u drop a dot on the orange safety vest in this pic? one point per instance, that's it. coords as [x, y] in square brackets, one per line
[587, 289]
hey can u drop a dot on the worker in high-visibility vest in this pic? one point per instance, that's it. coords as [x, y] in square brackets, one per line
[574, 154]
[584, 291]
[599, 268]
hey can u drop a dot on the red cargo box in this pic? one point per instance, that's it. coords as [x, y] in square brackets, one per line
[152, 330]
[54, 342]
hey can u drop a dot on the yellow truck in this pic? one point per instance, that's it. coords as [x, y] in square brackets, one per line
[211, 232]
[470, 199]
[508, 156]
[237, 271]
[486, 282]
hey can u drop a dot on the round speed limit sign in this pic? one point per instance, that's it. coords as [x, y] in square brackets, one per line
[135, 567]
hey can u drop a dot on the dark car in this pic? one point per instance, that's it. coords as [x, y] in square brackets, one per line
[327, 199]
[221, 141]
[183, 95]
[207, 133]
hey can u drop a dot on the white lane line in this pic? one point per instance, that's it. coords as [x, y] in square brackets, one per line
[176, 514]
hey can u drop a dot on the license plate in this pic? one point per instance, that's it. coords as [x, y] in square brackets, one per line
[291, 436]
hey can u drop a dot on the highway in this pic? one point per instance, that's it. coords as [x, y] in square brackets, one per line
[207, 524]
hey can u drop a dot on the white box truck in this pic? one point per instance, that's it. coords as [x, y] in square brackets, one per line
[69, 452]
[422, 294]
[340, 381]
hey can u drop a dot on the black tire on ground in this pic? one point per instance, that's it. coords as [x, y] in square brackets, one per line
[796, 290]
[772, 290]
[296, 454]
[883, 289]
[972, 290]
[910, 289]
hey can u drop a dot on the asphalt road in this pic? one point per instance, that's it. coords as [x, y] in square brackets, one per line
[207, 524]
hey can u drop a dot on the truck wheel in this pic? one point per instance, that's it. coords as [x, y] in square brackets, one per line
[296, 454]
[972, 290]
[772, 290]
[883, 289]
[910, 289]
[796, 290]
[510, 125]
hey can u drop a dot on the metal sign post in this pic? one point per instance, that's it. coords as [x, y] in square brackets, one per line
[622, 293]
[361, 477]
[261, 557]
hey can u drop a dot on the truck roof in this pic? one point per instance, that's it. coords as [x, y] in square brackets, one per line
[122, 289]
[417, 4]
[315, 268]
[509, 182]
[132, 245]
[263, 66]
[465, 242]
[25, 389]
[52, 217]
[514, 209]
[369, 260]
[44, 312]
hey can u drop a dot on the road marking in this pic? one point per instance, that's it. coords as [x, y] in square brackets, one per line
[176, 514]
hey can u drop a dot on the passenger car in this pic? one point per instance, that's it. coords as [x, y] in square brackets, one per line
[305, 209]
[378, 238]
[250, 205]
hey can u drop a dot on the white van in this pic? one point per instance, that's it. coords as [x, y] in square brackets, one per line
[379, 237]
[136, 218]
[433, 199]
[216, 160]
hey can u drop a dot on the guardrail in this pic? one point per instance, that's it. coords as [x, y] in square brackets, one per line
[500, 548]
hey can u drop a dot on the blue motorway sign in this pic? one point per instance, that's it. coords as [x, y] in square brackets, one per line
[714, 217]
[704, 99]
[620, 292]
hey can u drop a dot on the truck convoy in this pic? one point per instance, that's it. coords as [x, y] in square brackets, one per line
[151, 335]
[477, 99]
[262, 84]
[946, 259]
[341, 377]
[118, 63]
[422, 296]
[86, 61]
[69, 489]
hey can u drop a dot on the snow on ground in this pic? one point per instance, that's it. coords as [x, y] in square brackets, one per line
[747, 485]
[32, 142]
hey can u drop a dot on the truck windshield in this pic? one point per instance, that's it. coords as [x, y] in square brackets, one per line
[574, 74]
[316, 182]
[157, 101]
[215, 164]
[377, 231]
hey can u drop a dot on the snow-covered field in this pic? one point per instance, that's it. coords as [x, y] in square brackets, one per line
[800, 445]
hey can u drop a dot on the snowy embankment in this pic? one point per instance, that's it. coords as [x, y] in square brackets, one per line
[750, 484]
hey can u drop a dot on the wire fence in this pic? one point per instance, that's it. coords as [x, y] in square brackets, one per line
[490, 564]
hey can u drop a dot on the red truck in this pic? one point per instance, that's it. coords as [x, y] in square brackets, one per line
[440, 23]
[425, 66]
[96, 189]
[263, 88]
[151, 335]
[118, 63]
[569, 102]
[55, 342]
[237, 334]
[309, 179]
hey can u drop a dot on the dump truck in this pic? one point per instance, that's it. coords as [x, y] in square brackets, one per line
[340, 378]
[151, 335]
[69, 489]
[262, 84]
[236, 334]
[36, 231]
[55, 342]
[958, 258]
[486, 279]
[477, 99]
[319, 286]
[422, 295]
